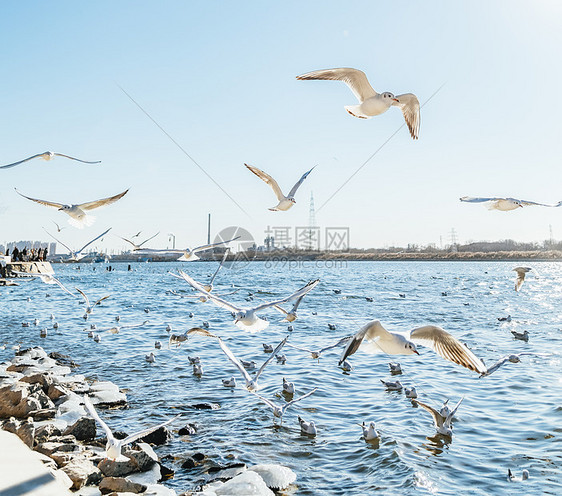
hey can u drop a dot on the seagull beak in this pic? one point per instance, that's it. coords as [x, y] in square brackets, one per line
[396, 100]
[416, 352]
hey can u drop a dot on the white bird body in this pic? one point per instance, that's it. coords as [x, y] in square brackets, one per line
[45, 278]
[308, 428]
[513, 478]
[150, 357]
[523, 336]
[288, 387]
[374, 338]
[285, 202]
[231, 383]
[371, 103]
[410, 392]
[395, 368]
[247, 318]
[248, 365]
[114, 446]
[197, 369]
[90, 308]
[392, 386]
[370, 431]
[443, 423]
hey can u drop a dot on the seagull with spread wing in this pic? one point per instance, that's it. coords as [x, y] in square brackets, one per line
[371, 103]
[506, 204]
[509, 358]
[251, 382]
[317, 353]
[47, 156]
[46, 278]
[137, 246]
[77, 255]
[90, 308]
[285, 202]
[374, 338]
[77, 212]
[443, 423]
[114, 446]
[279, 411]
[246, 318]
[187, 255]
[521, 271]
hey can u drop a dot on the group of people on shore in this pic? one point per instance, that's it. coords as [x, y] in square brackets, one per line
[31, 255]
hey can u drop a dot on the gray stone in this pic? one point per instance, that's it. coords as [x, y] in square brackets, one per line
[15, 401]
[158, 437]
[11, 425]
[117, 468]
[56, 391]
[44, 432]
[120, 485]
[144, 457]
[26, 432]
[83, 429]
[82, 472]
[43, 413]
[50, 447]
[44, 380]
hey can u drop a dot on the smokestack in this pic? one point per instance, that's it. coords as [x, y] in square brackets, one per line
[209, 230]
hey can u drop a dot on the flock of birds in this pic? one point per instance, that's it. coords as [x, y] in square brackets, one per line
[372, 338]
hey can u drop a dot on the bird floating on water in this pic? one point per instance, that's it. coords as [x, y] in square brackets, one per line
[514, 478]
[371, 103]
[392, 386]
[48, 156]
[150, 357]
[370, 432]
[288, 387]
[523, 336]
[231, 383]
[395, 368]
[308, 428]
[411, 392]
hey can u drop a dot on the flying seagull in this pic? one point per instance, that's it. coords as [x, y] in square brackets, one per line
[114, 446]
[48, 156]
[279, 411]
[521, 271]
[506, 204]
[317, 353]
[251, 383]
[379, 340]
[77, 255]
[371, 103]
[90, 308]
[285, 202]
[246, 318]
[46, 278]
[137, 246]
[78, 217]
[443, 423]
[509, 358]
[187, 255]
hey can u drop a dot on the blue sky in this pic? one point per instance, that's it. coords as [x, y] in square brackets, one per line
[219, 77]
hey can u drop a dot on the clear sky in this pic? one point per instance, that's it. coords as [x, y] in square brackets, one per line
[219, 77]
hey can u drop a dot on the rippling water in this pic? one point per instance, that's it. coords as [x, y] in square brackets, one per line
[511, 419]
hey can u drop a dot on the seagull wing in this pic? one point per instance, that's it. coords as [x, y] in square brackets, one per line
[448, 347]
[132, 326]
[21, 161]
[300, 181]
[278, 308]
[212, 245]
[235, 360]
[472, 199]
[496, 366]
[147, 240]
[527, 203]
[60, 284]
[297, 294]
[42, 202]
[438, 419]
[90, 242]
[410, 106]
[215, 299]
[452, 413]
[520, 279]
[220, 265]
[341, 342]
[58, 241]
[287, 405]
[83, 296]
[101, 203]
[372, 331]
[145, 432]
[77, 159]
[266, 401]
[355, 79]
[100, 300]
[299, 348]
[92, 411]
[275, 351]
[135, 246]
[266, 178]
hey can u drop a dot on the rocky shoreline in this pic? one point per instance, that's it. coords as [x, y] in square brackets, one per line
[41, 401]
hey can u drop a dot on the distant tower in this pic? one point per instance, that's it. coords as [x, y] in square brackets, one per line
[209, 230]
[551, 236]
[312, 232]
[453, 236]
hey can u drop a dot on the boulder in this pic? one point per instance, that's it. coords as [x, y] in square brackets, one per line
[158, 437]
[11, 425]
[188, 430]
[63, 359]
[82, 472]
[83, 429]
[56, 391]
[206, 406]
[275, 476]
[117, 468]
[26, 432]
[247, 483]
[120, 485]
[44, 380]
[49, 447]
[15, 401]
[144, 457]
[45, 431]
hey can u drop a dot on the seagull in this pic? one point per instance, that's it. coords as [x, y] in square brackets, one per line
[316, 353]
[78, 217]
[193, 360]
[509, 358]
[395, 368]
[137, 246]
[43, 332]
[231, 383]
[279, 411]
[177, 339]
[90, 308]
[187, 255]
[371, 103]
[392, 386]
[59, 228]
[521, 271]
[246, 318]
[513, 478]
[251, 383]
[346, 366]
[332, 327]
[443, 424]
[117, 329]
[150, 357]
[267, 348]
[285, 202]
[197, 369]
[288, 387]
[46, 278]
[505, 319]
[411, 392]
[379, 340]
[158, 344]
[291, 315]
[209, 286]
[505, 204]
[248, 365]
[56, 325]
[307, 427]
[77, 255]
[114, 446]
[445, 410]
[36, 321]
[47, 156]
[97, 338]
[523, 336]
[281, 359]
[370, 432]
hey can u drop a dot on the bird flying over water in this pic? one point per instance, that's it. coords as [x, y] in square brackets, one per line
[509, 358]
[371, 103]
[137, 246]
[77, 255]
[279, 411]
[187, 255]
[46, 278]
[379, 340]
[47, 156]
[246, 318]
[285, 202]
[521, 271]
[77, 212]
[90, 308]
[316, 353]
[443, 423]
[506, 204]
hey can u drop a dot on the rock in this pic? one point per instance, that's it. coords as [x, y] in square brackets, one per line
[26, 432]
[158, 437]
[198, 457]
[62, 458]
[206, 406]
[83, 429]
[105, 394]
[188, 430]
[82, 472]
[120, 468]
[229, 472]
[144, 457]
[15, 401]
[120, 485]
[11, 425]
[150, 476]
[247, 483]
[48, 462]
[56, 391]
[62, 477]
[189, 463]
[49, 447]
[44, 432]
[44, 380]
[275, 476]
[159, 490]
[44, 400]
[63, 359]
[43, 413]
[165, 473]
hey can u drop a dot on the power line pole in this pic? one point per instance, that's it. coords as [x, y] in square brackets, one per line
[209, 230]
